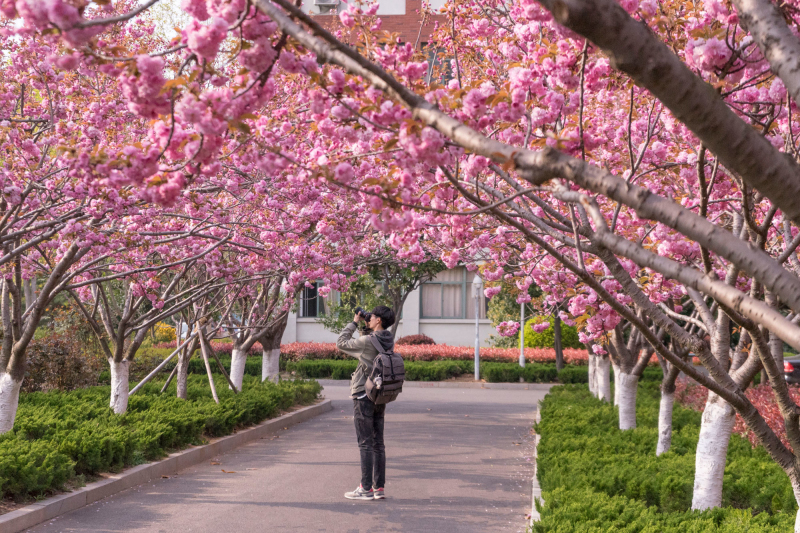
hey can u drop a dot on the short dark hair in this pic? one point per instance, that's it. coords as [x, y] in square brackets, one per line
[386, 315]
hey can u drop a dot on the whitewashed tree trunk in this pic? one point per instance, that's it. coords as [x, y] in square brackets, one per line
[119, 386]
[665, 422]
[270, 364]
[179, 333]
[796, 490]
[238, 360]
[182, 377]
[616, 385]
[592, 380]
[626, 384]
[603, 378]
[9, 400]
[712, 450]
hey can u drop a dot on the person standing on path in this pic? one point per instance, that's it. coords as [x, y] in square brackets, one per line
[368, 416]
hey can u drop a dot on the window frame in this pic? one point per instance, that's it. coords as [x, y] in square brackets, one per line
[464, 295]
[319, 301]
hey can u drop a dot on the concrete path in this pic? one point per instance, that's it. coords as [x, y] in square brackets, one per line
[458, 460]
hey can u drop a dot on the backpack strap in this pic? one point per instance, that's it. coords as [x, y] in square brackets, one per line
[376, 343]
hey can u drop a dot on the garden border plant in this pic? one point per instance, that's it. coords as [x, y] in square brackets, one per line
[60, 437]
[595, 477]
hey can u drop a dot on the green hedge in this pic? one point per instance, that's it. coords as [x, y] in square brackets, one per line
[580, 374]
[418, 370]
[442, 370]
[596, 478]
[60, 435]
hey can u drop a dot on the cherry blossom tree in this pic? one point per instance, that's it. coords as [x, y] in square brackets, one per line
[636, 160]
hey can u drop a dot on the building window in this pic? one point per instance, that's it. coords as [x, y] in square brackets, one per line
[449, 295]
[312, 304]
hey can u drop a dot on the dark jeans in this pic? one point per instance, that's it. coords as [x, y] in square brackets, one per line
[369, 430]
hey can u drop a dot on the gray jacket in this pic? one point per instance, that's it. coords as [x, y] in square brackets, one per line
[363, 350]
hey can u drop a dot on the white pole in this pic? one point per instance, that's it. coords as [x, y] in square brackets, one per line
[477, 285]
[522, 335]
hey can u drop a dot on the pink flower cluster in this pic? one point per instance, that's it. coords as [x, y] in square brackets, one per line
[508, 328]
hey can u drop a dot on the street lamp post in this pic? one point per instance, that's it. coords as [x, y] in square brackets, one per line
[477, 288]
[522, 335]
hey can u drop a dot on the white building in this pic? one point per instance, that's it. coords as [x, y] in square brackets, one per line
[443, 309]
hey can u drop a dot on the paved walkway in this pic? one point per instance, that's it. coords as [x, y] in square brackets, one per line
[458, 460]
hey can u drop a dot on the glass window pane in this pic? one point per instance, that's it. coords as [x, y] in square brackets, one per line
[309, 304]
[454, 275]
[451, 301]
[431, 300]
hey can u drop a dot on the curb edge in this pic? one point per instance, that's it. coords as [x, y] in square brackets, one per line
[536, 493]
[34, 514]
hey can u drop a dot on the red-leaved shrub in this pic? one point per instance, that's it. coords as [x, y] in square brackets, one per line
[694, 397]
[414, 340]
[417, 352]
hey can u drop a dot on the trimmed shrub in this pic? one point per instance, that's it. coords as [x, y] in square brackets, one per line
[547, 338]
[58, 435]
[580, 374]
[414, 340]
[597, 478]
[437, 352]
[574, 374]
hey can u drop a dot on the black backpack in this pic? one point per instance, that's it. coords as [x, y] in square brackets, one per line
[385, 381]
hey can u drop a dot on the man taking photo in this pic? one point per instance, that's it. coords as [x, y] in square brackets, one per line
[367, 415]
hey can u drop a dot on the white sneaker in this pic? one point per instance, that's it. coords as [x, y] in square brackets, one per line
[360, 494]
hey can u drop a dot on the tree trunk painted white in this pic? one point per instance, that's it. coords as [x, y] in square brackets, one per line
[626, 385]
[712, 450]
[592, 381]
[9, 400]
[119, 386]
[182, 377]
[271, 364]
[238, 360]
[603, 378]
[665, 422]
[616, 384]
[179, 333]
[796, 489]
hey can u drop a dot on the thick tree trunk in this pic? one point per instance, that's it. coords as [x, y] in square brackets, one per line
[592, 380]
[9, 400]
[712, 450]
[119, 385]
[270, 364]
[603, 378]
[671, 375]
[665, 422]
[616, 384]
[627, 384]
[238, 360]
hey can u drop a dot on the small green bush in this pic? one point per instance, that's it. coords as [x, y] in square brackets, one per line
[574, 374]
[58, 435]
[546, 339]
[596, 478]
